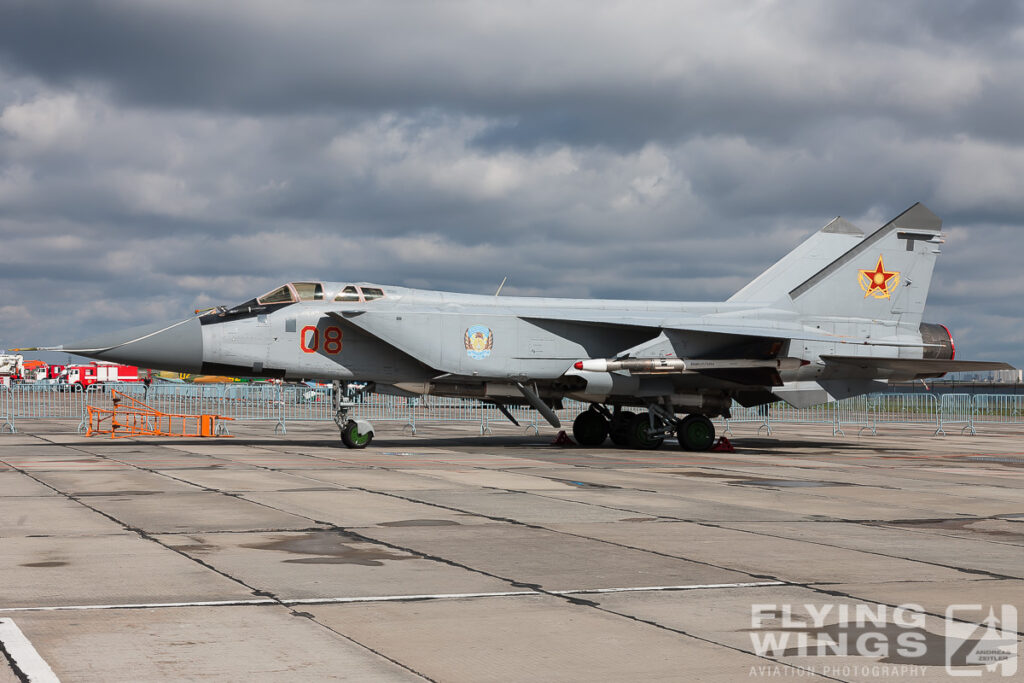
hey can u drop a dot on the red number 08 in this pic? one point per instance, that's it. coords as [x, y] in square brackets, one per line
[332, 340]
[310, 343]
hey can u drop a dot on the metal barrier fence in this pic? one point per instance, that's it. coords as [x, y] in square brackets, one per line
[998, 409]
[386, 408]
[823, 414]
[297, 403]
[5, 410]
[904, 409]
[740, 415]
[43, 401]
[954, 410]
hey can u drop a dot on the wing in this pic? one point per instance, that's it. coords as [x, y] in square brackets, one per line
[734, 327]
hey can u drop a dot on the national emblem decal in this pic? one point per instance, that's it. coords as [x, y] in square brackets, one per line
[878, 283]
[479, 341]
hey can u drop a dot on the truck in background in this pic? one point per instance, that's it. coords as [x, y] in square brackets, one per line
[81, 377]
[12, 369]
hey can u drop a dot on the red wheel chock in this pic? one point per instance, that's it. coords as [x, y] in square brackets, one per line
[723, 445]
[563, 440]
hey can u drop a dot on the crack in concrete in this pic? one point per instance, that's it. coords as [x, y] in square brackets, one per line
[255, 591]
[817, 588]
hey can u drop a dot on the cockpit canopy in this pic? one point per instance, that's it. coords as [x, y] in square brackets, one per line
[314, 291]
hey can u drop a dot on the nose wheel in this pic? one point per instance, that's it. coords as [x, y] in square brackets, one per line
[355, 437]
[355, 433]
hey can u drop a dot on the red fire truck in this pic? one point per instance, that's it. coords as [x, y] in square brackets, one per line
[11, 369]
[79, 377]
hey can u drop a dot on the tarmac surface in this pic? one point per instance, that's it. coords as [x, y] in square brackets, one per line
[452, 557]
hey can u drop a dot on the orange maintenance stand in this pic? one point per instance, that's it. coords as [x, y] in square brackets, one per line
[131, 417]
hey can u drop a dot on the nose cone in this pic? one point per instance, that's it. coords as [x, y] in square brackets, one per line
[167, 346]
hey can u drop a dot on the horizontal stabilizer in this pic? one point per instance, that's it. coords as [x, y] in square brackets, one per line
[806, 394]
[915, 366]
[802, 394]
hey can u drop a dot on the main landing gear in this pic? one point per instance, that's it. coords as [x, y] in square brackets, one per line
[646, 431]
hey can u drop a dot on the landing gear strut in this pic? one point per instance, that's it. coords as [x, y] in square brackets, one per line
[355, 432]
[644, 432]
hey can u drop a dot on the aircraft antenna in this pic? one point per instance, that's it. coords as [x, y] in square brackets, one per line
[504, 280]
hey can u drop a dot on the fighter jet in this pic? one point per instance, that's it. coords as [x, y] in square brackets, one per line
[838, 316]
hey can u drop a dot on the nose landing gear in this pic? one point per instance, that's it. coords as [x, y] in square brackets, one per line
[355, 432]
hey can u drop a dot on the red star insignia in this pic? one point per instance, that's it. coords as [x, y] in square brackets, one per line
[878, 282]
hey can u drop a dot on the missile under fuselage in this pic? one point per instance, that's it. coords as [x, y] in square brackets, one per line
[680, 365]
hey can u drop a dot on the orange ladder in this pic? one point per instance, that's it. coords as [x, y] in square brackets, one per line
[131, 417]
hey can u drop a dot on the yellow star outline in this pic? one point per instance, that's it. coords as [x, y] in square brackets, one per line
[879, 282]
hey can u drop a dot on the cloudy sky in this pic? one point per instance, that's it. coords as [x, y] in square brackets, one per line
[156, 156]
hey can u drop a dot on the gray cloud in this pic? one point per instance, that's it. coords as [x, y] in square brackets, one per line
[157, 157]
[576, 72]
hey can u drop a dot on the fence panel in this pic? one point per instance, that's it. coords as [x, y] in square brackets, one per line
[270, 402]
[856, 412]
[741, 415]
[6, 425]
[253, 403]
[998, 409]
[956, 410]
[901, 409]
[46, 401]
[388, 408]
[307, 404]
[823, 414]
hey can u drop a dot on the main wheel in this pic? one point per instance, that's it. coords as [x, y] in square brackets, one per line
[351, 437]
[696, 433]
[589, 428]
[640, 434]
[619, 428]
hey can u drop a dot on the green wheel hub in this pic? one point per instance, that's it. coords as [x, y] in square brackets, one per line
[640, 433]
[353, 438]
[696, 433]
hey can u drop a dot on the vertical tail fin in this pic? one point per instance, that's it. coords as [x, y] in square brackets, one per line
[885, 276]
[814, 253]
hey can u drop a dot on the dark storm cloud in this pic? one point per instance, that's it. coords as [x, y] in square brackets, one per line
[576, 73]
[157, 157]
